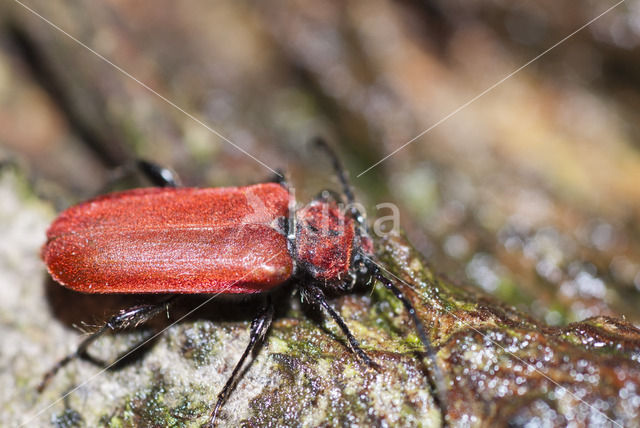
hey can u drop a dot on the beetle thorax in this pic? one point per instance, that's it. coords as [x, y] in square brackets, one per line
[326, 242]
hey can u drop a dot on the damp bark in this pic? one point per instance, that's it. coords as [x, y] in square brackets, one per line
[501, 367]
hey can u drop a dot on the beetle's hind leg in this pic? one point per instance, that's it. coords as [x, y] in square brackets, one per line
[126, 318]
[316, 297]
[259, 327]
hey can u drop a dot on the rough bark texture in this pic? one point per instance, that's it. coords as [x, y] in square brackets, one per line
[504, 368]
[530, 194]
[501, 367]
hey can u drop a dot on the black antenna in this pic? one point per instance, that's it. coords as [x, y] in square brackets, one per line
[438, 385]
[337, 166]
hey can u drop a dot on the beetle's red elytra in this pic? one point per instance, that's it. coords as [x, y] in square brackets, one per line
[243, 240]
[173, 240]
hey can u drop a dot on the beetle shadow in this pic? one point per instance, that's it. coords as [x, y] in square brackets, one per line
[86, 311]
[75, 309]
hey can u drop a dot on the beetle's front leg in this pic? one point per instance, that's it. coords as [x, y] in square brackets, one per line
[315, 296]
[126, 318]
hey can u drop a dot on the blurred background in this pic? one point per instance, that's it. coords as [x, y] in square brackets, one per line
[530, 193]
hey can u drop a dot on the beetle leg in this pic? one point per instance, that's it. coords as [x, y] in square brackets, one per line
[338, 168]
[132, 317]
[438, 384]
[158, 175]
[259, 327]
[315, 296]
[347, 190]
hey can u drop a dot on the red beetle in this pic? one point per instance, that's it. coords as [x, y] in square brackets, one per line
[215, 240]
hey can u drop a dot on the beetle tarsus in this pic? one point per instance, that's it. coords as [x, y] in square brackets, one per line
[437, 381]
[82, 348]
[259, 327]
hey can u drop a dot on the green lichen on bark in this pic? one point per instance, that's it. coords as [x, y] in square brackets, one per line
[501, 366]
[504, 368]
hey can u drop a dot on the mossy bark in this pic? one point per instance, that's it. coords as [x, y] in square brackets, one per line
[500, 366]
